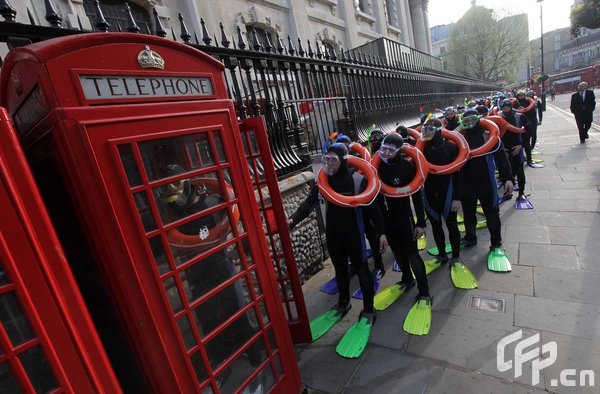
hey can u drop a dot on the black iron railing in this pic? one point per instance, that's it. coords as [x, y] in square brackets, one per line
[304, 90]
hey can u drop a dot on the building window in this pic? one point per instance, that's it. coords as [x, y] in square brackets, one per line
[391, 13]
[361, 5]
[113, 11]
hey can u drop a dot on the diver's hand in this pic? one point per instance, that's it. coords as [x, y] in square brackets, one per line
[455, 206]
[383, 243]
[509, 187]
[516, 150]
[289, 223]
[418, 231]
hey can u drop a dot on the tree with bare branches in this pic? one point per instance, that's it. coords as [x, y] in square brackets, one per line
[483, 47]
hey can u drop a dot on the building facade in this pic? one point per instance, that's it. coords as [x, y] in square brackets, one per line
[333, 23]
[440, 41]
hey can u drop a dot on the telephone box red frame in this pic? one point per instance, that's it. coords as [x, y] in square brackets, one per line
[87, 139]
[54, 330]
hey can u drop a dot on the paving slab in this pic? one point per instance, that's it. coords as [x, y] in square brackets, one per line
[317, 371]
[566, 205]
[463, 305]
[572, 353]
[449, 380]
[468, 343]
[527, 234]
[574, 235]
[588, 256]
[519, 281]
[567, 285]
[575, 193]
[406, 374]
[570, 219]
[578, 176]
[514, 217]
[569, 318]
[558, 256]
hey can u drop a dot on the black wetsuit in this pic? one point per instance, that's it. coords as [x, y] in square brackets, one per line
[372, 235]
[479, 182]
[530, 136]
[439, 192]
[451, 124]
[345, 234]
[399, 221]
[510, 140]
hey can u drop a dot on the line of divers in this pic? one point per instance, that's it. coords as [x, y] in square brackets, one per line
[450, 163]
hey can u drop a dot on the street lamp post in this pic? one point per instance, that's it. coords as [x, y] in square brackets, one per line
[542, 88]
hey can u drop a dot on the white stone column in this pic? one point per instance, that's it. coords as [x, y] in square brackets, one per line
[427, 29]
[418, 22]
[407, 27]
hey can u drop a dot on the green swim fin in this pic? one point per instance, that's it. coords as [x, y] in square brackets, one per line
[434, 250]
[431, 265]
[461, 275]
[323, 323]
[498, 261]
[418, 320]
[421, 242]
[459, 218]
[355, 339]
[480, 224]
[388, 296]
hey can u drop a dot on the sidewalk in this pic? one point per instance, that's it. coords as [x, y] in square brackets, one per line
[553, 290]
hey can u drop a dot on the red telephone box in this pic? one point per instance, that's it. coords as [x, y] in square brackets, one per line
[47, 339]
[137, 153]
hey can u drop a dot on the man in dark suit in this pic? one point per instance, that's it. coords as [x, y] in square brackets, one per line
[583, 104]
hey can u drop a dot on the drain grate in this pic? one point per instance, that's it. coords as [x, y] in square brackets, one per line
[487, 304]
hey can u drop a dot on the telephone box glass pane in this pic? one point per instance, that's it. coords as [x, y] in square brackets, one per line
[220, 307]
[3, 276]
[244, 366]
[219, 146]
[141, 202]
[253, 142]
[186, 332]
[233, 338]
[133, 175]
[192, 238]
[160, 257]
[208, 273]
[173, 156]
[8, 383]
[173, 295]
[38, 369]
[186, 197]
[13, 319]
[199, 368]
[263, 381]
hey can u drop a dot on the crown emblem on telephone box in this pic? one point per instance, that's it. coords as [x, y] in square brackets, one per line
[150, 59]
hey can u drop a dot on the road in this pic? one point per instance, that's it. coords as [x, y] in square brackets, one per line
[563, 101]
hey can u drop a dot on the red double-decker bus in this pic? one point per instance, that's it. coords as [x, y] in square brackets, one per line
[567, 81]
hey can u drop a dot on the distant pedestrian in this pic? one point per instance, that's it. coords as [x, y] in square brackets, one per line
[583, 103]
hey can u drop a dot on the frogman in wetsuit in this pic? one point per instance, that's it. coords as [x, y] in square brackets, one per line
[345, 229]
[450, 118]
[513, 143]
[401, 229]
[479, 183]
[442, 192]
